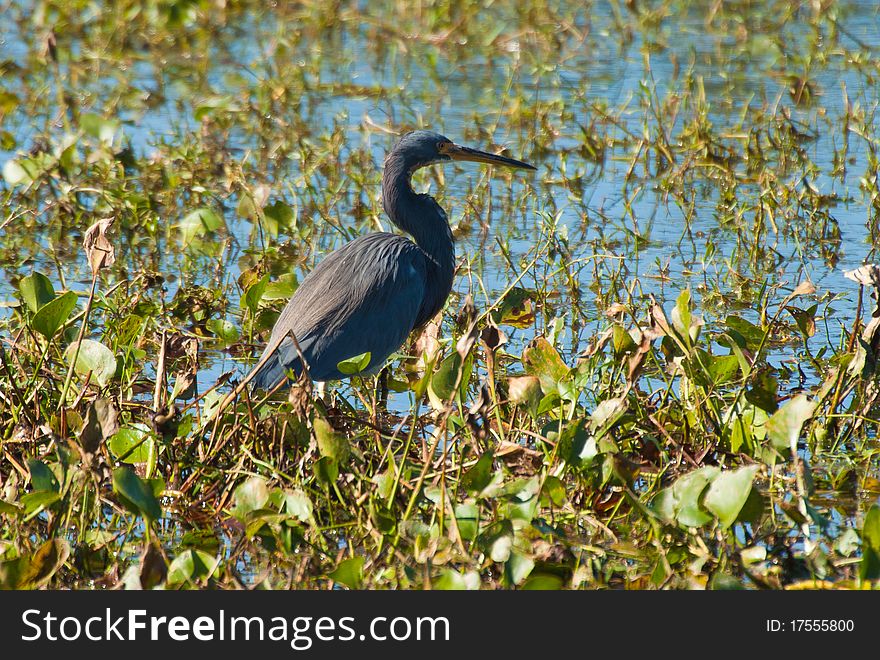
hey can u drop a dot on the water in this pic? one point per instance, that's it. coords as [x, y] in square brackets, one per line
[361, 74]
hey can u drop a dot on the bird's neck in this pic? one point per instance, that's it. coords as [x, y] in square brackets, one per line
[422, 218]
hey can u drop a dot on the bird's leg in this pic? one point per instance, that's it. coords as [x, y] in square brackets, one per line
[382, 387]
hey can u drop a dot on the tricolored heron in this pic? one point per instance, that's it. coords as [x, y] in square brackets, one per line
[370, 294]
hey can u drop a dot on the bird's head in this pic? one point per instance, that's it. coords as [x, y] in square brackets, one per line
[423, 148]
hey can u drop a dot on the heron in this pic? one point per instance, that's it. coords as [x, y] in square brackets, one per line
[370, 294]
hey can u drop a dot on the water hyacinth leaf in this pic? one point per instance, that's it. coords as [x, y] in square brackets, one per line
[38, 500]
[575, 446]
[682, 501]
[869, 569]
[554, 489]
[18, 171]
[93, 358]
[249, 496]
[729, 492]
[298, 504]
[349, 572]
[480, 475]
[751, 335]
[44, 563]
[606, 415]
[450, 580]
[543, 582]
[540, 359]
[42, 477]
[515, 309]
[36, 290]
[681, 315]
[254, 294]
[224, 330]
[331, 444]
[497, 540]
[785, 425]
[525, 390]
[135, 494]
[191, 565]
[282, 288]
[721, 368]
[354, 365]
[199, 223]
[622, 341]
[468, 518]
[134, 444]
[443, 380]
[98, 127]
[763, 392]
[518, 567]
[277, 217]
[326, 469]
[54, 314]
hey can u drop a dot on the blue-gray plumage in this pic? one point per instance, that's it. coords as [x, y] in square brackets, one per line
[367, 296]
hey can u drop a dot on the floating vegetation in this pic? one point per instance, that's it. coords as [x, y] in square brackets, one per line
[652, 373]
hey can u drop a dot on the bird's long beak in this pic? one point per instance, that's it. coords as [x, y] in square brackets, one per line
[457, 152]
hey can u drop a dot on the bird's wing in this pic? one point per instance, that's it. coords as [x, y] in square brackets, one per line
[363, 297]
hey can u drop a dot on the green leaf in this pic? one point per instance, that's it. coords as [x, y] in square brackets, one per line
[543, 582]
[200, 222]
[53, 315]
[449, 580]
[682, 320]
[525, 390]
[95, 358]
[38, 500]
[45, 562]
[224, 330]
[518, 567]
[330, 443]
[784, 426]
[136, 495]
[554, 489]
[349, 572]
[497, 540]
[298, 504]
[254, 294]
[870, 565]
[747, 334]
[98, 127]
[515, 309]
[540, 359]
[478, 476]
[468, 518]
[42, 478]
[18, 171]
[278, 217]
[191, 565]
[250, 496]
[442, 383]
[682, 500]
[132, 445]
[282, 288]
[36, 290]
[326, 469]
[354, 365]
[728, 493]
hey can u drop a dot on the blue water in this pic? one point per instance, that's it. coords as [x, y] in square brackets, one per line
[593, 69]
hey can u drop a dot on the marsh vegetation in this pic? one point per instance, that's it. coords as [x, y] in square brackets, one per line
[652, 371]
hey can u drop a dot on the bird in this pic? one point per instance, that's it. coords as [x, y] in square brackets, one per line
[370, 294]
